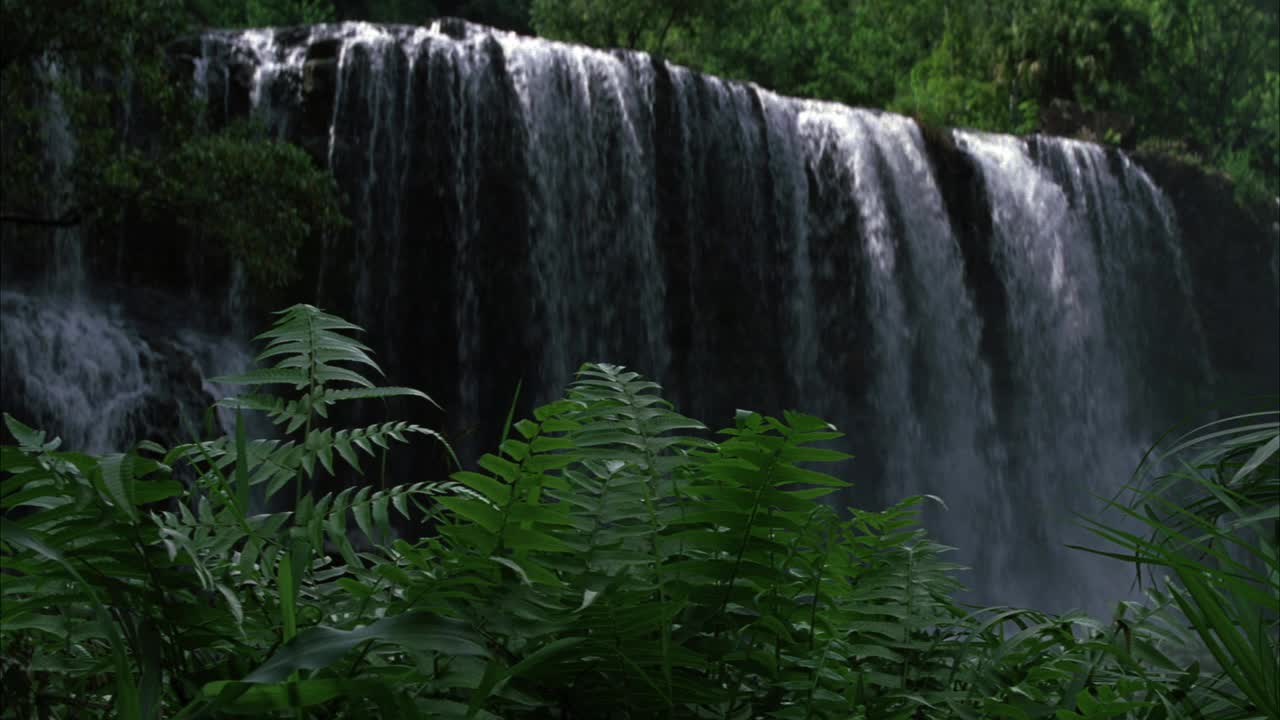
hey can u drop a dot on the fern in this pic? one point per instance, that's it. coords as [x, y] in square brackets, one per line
[680, 571]
[609, 559]
[189, 561]
[308, 345]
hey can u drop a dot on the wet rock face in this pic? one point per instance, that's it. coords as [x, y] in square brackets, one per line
[1235, 253]
[1068, 119]
[174, 410]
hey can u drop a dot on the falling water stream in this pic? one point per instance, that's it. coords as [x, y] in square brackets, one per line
[521, 206]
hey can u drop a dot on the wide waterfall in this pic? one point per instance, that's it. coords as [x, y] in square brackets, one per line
[1004, 323]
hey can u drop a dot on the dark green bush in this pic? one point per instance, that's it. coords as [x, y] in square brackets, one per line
[212, 187]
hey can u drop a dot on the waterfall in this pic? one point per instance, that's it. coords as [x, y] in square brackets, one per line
[101, 366]
[548, 204]
[587, 115]
[88, 371]
[1009, 341]
[59, 144]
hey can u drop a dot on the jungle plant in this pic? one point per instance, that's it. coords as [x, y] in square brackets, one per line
[610, 560]
[1212, 525]
[193, 187]
[183, 582]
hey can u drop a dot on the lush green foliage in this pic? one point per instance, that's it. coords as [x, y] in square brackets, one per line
[1213, 522]
[50, 60]
[210, 188]
[261, 13]
[609, 560]
[75, 90]
[506, 14]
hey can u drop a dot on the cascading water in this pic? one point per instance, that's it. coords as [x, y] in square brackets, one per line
[64, 363]
[79, 360]
[83, 368]
[930, 394]
[587, 115]
[1005, 342]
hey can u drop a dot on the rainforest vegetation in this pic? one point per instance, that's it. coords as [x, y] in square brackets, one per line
[610, 557]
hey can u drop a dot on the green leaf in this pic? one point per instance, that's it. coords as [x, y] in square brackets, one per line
[28, 438]
[263, 698]
[1260, 456]
[319, 647]
[127, 702]
[500, 467]
[343, 446]
[495, 492]
[477, 511]
[242, 467]
[364, 515]
[288, 578]
[377, 392]
[514, 567]
[117, 479]
[266, 376]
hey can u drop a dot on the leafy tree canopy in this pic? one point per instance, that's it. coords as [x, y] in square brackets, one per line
[99, 132]
[504, 14]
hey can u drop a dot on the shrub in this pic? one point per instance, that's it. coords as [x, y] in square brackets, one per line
[609, 560]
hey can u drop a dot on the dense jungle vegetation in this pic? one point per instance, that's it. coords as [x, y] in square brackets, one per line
[611, 559]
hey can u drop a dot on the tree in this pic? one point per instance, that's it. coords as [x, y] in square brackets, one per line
[1215, 70]
[102, 132]
[262, 13]
[210, 190]
[51, 74]
[634, 24]
[504, 14]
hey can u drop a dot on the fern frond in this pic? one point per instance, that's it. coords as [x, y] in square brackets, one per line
[307, 345]
[331, 396]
